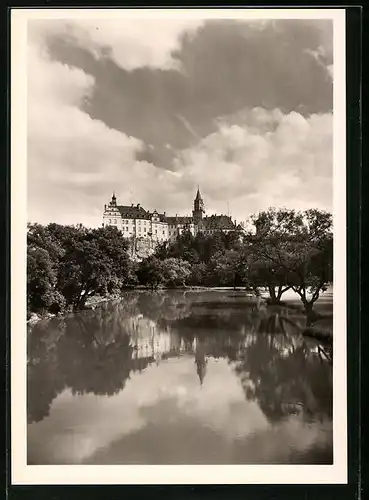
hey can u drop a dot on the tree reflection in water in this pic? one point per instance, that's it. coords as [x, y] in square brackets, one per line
[284, 376]
[95, 351]
[45, 380]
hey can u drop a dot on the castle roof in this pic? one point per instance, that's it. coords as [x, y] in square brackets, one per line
[133, 212]
[179, 220]
[138, 212]
[162, 217]
[217, 222]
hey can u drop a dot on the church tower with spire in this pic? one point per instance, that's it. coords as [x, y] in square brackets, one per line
[198, 207]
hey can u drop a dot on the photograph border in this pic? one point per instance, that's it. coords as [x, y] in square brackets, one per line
[353, 174]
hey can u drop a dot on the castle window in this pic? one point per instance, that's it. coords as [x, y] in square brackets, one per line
[109, 221]
[126, 228]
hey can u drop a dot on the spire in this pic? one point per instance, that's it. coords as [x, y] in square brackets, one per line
[198, 206]
[200, 360]
[198, 195]
[113, 199]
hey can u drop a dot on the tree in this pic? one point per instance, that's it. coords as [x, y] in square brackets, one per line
[181, 248]
[54, 238]
[176, 272]
[46, 248]
[198, 274]
[292, 250]
[227, 268]
[150, 272]
[95, 263]
[41, 282]
[232, 241]
[315, 270]
[162, 250]
[208, 245]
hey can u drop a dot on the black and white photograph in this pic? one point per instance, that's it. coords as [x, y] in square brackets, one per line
[181, 246]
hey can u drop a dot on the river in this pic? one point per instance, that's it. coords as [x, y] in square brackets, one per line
[179, 377]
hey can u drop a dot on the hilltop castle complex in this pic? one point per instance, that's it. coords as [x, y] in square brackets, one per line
[150, 228]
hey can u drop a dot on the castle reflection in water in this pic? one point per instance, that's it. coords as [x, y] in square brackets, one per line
[96, 351]
[226, 354]
[151, 344]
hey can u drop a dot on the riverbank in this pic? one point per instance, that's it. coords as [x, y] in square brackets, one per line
[91, 303]
[290, 299]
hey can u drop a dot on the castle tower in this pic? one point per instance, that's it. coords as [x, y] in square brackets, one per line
[201, 370]
[113, 202]
[200, 360]
[198, 207]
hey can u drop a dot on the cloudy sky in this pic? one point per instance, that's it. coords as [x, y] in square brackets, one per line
[152, 108]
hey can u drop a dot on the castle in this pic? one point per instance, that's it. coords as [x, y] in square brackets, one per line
[151, 228]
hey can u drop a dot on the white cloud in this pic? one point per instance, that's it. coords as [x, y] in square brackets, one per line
[68, 152]
[75, 162]
[320, 56]
[131, 43]
[256, 158]
[271, 159]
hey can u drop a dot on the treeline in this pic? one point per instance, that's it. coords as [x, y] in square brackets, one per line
[68, 264]
[284, 249]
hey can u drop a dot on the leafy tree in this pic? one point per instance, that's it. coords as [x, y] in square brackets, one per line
[198, 274]
[68, 264]
[208, 245]
[96, 263]
[162, 250]
[150, 272]
[314, 272]
[176, 272]
[41, 282]
[228, 268]
[54, 238]
[199, 248]
[232, 241]
[46, 248]
[292, 250]
[170, 272]
[39, 237]
[177, 248]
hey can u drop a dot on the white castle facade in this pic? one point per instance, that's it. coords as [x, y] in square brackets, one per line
[152, 228]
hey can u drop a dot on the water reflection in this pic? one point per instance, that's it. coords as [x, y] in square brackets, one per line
[282, 374]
